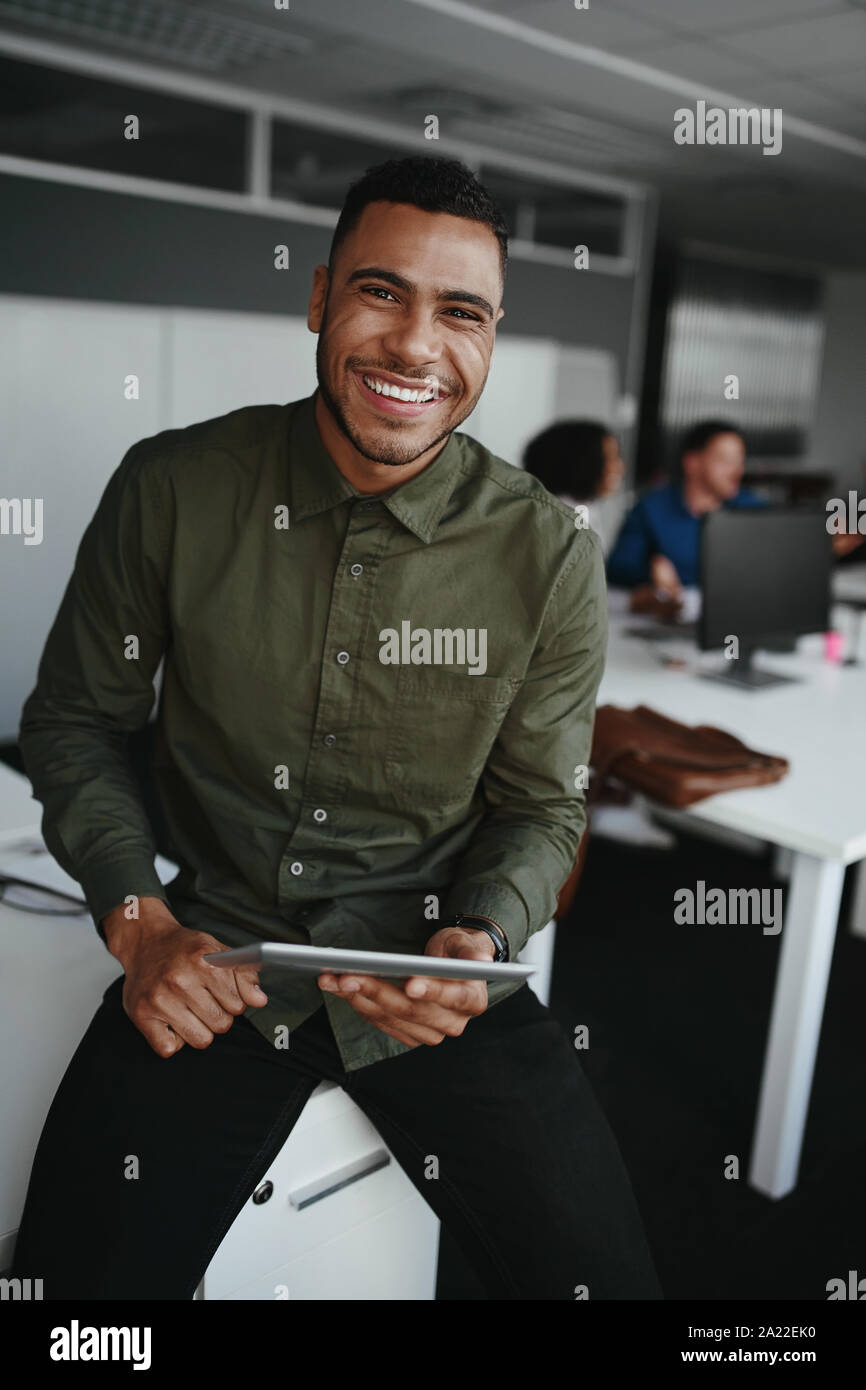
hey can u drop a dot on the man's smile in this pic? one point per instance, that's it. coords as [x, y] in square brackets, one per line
[406, 398]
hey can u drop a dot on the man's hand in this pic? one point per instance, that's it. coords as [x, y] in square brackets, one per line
[170, 993]
[663, 597]
[653, 603]
[665, 578]
[424, 1010]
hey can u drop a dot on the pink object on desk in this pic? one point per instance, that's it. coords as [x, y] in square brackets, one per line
[833, 646]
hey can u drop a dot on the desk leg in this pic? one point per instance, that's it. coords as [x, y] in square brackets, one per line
[795, 1025]
[858, 906]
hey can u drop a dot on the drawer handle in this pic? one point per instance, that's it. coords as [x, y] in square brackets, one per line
[351, 1172]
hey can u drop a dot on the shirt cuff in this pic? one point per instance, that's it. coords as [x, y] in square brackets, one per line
[107, 885]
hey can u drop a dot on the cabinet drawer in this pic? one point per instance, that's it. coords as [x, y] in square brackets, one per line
[393, 1257]
[332, 1174]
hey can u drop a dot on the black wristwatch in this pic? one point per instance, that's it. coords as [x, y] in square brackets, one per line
[493, 930]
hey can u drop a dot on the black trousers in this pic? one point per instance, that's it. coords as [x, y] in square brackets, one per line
[531, 1182]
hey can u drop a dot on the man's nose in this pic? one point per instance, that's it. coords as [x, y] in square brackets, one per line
[416, 340]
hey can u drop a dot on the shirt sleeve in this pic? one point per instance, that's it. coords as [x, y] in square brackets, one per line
[95, 686]
[525, 846]
[628, 562]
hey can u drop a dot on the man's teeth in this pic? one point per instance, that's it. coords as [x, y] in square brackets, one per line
[399, 393]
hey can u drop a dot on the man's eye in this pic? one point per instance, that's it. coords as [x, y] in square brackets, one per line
[473, 317]
[377, 289]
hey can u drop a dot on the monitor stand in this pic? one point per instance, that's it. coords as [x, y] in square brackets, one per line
[745, 676]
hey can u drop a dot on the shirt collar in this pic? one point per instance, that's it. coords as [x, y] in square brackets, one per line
[317, 483]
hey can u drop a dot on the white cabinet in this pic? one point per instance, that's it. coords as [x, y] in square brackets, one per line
[341, 1221]
[391, 1257]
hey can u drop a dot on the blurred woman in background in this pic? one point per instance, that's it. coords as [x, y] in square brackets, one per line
[579, 462]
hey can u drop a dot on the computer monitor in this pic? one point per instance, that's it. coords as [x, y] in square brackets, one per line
[765, 577]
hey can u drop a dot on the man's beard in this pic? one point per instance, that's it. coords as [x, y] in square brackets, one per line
[396, 453]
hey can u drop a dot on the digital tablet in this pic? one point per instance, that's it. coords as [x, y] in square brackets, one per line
[313, 960]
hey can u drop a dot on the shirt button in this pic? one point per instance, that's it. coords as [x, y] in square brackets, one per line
[329, 740]
[297, 867]
[319, 814]
[342, 657]
[355, 570]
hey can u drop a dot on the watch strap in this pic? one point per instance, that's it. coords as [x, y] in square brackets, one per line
[485, 924]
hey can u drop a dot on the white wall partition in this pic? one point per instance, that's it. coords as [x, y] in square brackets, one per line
[64, 426]
[220, 361]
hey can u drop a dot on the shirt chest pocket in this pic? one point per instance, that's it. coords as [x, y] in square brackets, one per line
[443, 727]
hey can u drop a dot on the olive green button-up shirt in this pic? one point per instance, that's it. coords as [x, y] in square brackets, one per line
[374, 710]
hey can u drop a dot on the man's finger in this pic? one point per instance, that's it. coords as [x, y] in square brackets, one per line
[392, 1001]
[221, 984]
[170, 1010]
[383, 991]
[468, 995]
[162, 1039]
[464, 996]
[414, 1018]
[410, 1029]
[236, 988]
[207, 1008]
[250, 990]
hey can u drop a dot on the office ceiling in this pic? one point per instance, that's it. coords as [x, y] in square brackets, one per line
[592, 89]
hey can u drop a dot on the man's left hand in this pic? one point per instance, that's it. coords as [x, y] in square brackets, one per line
[424, 1010]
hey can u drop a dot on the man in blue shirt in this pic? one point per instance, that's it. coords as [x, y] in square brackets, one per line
[659, 543]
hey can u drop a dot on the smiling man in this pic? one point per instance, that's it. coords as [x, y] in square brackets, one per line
[316, 793]
[659, 543]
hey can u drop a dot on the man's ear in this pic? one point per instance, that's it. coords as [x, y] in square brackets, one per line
[318, 299]
[500, 315]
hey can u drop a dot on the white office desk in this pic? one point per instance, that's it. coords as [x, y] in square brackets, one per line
[818, 812]
[20, 815]
[849, 584]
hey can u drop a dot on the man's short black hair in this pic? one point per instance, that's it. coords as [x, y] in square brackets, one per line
[432, 183]
[699, 436]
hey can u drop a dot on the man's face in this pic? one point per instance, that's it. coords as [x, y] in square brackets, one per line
[412, 305]
[719, 466]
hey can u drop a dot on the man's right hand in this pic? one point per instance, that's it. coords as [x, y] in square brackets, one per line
[650, 602]
[170, 993]
[665, 578]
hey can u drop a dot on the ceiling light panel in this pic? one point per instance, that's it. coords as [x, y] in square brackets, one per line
[169, 31]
